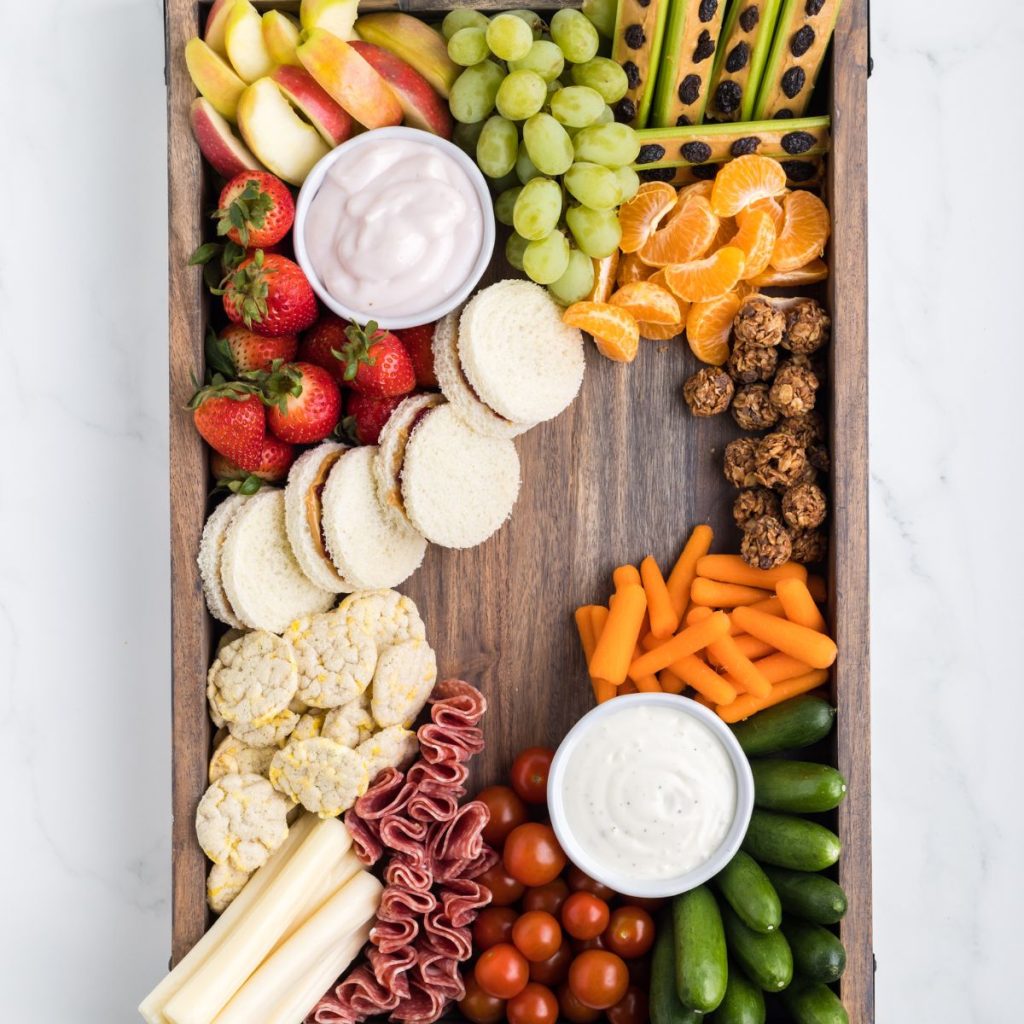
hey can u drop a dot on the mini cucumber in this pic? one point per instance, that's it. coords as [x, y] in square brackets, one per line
[743, 1002]
[817, 954]
[665, 1006]
[797, 786]
[746, 888]
[813, 1003]
[766, 958]
[809, 896]
[701, 966]
[796, 723]
[790, 842]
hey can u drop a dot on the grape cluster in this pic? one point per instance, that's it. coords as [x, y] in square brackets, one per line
[533, 108]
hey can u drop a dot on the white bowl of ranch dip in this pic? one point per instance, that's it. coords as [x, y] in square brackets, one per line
[396, 226]
[650, 794]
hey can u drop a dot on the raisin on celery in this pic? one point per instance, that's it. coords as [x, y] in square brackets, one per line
[749, 18]
[793, 81]
[689, 89]
[745, 146]
[801, 41]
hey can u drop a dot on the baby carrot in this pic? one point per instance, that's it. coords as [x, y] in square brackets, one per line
[664, 617]
[709, 704]
[680, 579]
[740, 668]
[816, 585]
[712, 594]
[752, 647]
[704, 680]
[732, 569]
[614, 649]
[670, 682]
[687, 641]
[626, 575]
[771, 606]
[646, 684]
[777, 668]
[590, 621]
[799, 606]
[746, 705]
[628, 687]
[815, 649]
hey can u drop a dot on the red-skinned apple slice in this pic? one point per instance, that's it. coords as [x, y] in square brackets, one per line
[213, 33]
[332, 122]
[415, 42]
[349, 80]
[422, 107]
[337, 16]
[281, 36]
[223, 149]
[243, 37]
[213, 77]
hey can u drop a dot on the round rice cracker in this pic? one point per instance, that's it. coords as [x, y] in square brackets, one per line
[253, 679]
[309, 726]
[241, 820]
[386, 616]
[233, 757]
[393, 747]
[322, 775]
[223, 884]
[269, 734]
[335, 661]
[211, 548]
[351, 724]
[405, 675]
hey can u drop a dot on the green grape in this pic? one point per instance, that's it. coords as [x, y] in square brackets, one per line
[577, 106]
[575, 36]
[497, 146]
[505, 182]
[593, 185]
[607, 116]
[521, 95]
[514, 249]
[549, 146]
[597, 232]
[629, 183]
[577, 282]
[509, 37]
[546, 260]
[538, 207]
[505, 204]
[610, 144]
[526, 170]
[601, 14]
[603, 76]
[468, 47]
[545, 58]
[554, 87]
[462, 17]
[534, 20]
[472, 96]
[465, 135]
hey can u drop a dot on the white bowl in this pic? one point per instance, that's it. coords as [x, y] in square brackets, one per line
[651, 887]
[311, 186]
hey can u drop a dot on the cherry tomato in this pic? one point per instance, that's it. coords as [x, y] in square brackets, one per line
[536, 1004]
[502, 971]
[505, 890]
[555, 969]
[598, 979]
[582, 945]
[537, 935]
[548, 897]
[630, 932]
[479, 1007]
[507, 811]
[584, 916]
[530, 774]
[573, 1010]
[631, 1008]
[532, 854]
[580, 881]
[494, 925]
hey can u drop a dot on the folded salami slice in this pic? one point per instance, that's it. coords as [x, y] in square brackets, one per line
[365, 839]
[402, 871]
[441, 936]
[462, 898]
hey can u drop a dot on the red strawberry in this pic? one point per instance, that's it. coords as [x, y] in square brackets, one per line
[321, 341]
[376, 362]
[270, 295]
[275, 461]
[419, 342]
[230, 418]
[304, 402]
[237, 350]
[365, 415]
[255, 210]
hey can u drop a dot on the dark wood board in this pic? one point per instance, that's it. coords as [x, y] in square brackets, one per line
[625, 472]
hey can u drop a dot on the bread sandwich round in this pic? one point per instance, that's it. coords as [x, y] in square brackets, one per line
[211, 547]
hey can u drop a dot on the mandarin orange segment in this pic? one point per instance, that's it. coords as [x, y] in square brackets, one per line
[614, 330]
[662, 332]
[639, 218]
[726, 231]
[686, 237]
[805, 229]
[708, 326]
[687, 192]
[772, 206]
[810, 273]
[706, 279]
[604, 277]
[745, 180]
[757, 240]
[631, 268]
[650, 302]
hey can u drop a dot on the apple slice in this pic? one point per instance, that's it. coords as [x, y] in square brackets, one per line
[281, 36]
[415, 42]
[213, 33]
[218, 143]
[349, 80]
[213, 77]
[276, 134]
[331, 121]
[243, 37]
[422, 107]
[337, 16]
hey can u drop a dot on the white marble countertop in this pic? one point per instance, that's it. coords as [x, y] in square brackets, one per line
[84, 564]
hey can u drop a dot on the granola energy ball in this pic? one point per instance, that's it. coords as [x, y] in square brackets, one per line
[804, 506]
[709, 391]
[809, 546]
[807, 328]
[817, 455]
[741, 462]
[758, 322]
[750, 363]
[752, 408]
[766, 543]
[807, 428]
[754, 503]
[780, 461]
[794, 389]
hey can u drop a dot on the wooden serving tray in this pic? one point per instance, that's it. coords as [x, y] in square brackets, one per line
[625, 472]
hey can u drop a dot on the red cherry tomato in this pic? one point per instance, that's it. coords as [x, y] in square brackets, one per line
[502, 971]
[582, 945]
[555, 969]
[479, 1007]
[494, 925]
[530, 774]
[536, 1004]
[630, 932]
[598, 979]
[584, 916]
[532, 854]
[580, 881]
[505, 890]
[537, 935]
[573, 1010]
[548, 897]
[507, 811]
[631, 1008]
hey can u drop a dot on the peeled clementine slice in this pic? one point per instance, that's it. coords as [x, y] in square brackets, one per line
[631, 268]
[771, 206]
[687, 192]
[614, 330]
[708, 326]
[757, 240]
[745, 180]
[805, 229]
[686, 237]
[641, 215]
[726, 230]
[648, 302]
[810, 273]
[662, 332]
[703, 280]
[604, 277]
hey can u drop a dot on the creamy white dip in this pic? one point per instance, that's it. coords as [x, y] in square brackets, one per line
[649, 792]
